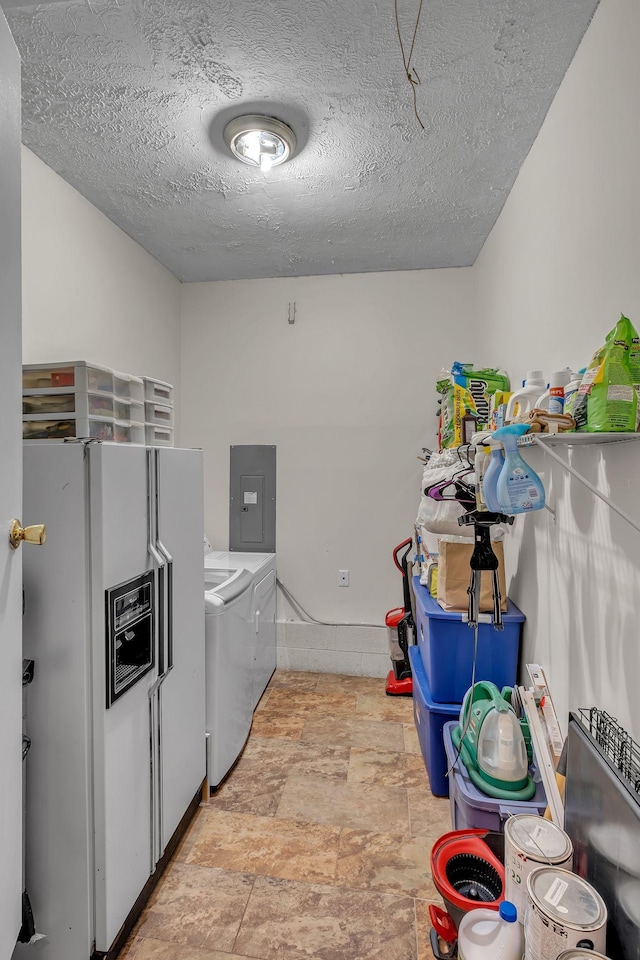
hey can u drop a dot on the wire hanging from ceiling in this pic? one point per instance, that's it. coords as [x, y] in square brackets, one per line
[411, 72]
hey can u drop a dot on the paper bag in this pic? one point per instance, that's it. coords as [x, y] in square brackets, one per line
[454, 576]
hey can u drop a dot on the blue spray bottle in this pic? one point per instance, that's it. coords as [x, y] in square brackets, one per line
[490, 479]
[519, 488]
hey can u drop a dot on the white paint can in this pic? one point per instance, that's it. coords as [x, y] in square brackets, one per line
[530, 842]
[563, 912]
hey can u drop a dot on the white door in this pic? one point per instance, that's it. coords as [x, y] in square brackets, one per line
[10, 498]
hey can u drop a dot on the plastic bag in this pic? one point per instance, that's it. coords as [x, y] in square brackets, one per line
[440, 516]
[607, 401]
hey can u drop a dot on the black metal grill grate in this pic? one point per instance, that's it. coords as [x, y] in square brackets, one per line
[619, 746]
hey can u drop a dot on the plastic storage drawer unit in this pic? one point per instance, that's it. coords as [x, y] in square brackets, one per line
[128, 387]
[157, 391]
[60, 403]
[78, 374]
[160, 413]
[470, 808]
[429, 718]
[445, 641]
[125, 409]
[156, 436]
[62, 428]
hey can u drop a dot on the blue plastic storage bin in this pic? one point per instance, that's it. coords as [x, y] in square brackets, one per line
[446, 646]
[429, 718]
[470, 807]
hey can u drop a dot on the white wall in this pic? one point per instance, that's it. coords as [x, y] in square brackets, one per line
[89, 291]
[559, 266]
[347, 395]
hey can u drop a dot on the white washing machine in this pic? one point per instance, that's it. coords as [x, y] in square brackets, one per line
[240, 618]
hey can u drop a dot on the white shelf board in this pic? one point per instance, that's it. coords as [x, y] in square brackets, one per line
[575, 439]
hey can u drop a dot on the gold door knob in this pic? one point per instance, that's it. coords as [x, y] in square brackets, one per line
[37, 533]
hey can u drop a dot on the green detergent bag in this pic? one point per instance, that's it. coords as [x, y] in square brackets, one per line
[634, 364]
[607, 401]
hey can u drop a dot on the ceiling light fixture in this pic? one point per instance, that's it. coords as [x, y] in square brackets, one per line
[261, 142]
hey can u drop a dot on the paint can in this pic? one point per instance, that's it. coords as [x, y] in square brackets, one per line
[531, 842]
[563, 912]
[581, 955]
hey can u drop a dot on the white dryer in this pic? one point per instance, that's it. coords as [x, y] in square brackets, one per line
[240, 613]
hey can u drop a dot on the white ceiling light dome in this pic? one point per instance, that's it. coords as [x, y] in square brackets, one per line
[261, 142]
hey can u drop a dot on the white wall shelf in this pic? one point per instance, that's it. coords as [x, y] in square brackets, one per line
[547, 440]
[574, 439]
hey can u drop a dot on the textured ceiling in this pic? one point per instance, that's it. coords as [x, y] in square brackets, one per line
[127, 100]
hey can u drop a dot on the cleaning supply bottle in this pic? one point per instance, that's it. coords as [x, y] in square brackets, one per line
[480, 464]
[571, 391]
[519, 488]
[491, 934]
[525, 398]
[491, 474]
[553, 399]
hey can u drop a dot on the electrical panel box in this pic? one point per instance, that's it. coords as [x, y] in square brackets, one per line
[252, 499]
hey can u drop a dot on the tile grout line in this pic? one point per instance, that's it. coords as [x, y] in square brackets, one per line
[244, 913]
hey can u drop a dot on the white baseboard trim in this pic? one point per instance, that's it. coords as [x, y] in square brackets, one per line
[318, 648]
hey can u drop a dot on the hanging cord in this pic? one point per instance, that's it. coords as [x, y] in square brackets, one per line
[411, 72]
[325, 623]
[472, 689]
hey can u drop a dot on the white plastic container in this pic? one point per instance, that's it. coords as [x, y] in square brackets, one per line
[531, 842]
[65, 402]
[157, 391]
[128, 387]
[158, 436]
[553, 399]
[160, 413]
[62, 428]
[571, 392]
[78, 374]
[563, 910]
[526, 397]
[491, 935]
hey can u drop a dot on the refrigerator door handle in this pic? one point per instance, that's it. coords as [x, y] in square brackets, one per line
[167, 563]
[156, 812]
[160, 570]
[155, 553]
[169, 567]
[161, 622]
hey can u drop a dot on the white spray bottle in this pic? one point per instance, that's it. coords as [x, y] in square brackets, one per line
[519, 488]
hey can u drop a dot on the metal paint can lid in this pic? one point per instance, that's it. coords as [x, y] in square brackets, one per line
[538, 839]
[581, 955]
[566, 898]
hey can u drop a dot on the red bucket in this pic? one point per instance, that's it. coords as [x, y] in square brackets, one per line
[467, 873]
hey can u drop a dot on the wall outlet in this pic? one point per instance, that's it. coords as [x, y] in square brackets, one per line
[343, 578]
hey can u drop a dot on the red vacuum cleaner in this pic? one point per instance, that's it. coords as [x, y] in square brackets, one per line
[401, 631]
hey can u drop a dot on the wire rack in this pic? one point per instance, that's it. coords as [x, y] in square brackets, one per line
[619, 746]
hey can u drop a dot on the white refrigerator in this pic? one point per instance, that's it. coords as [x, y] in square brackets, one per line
[114, 620]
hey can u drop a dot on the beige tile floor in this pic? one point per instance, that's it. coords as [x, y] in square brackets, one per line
[317, 845]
